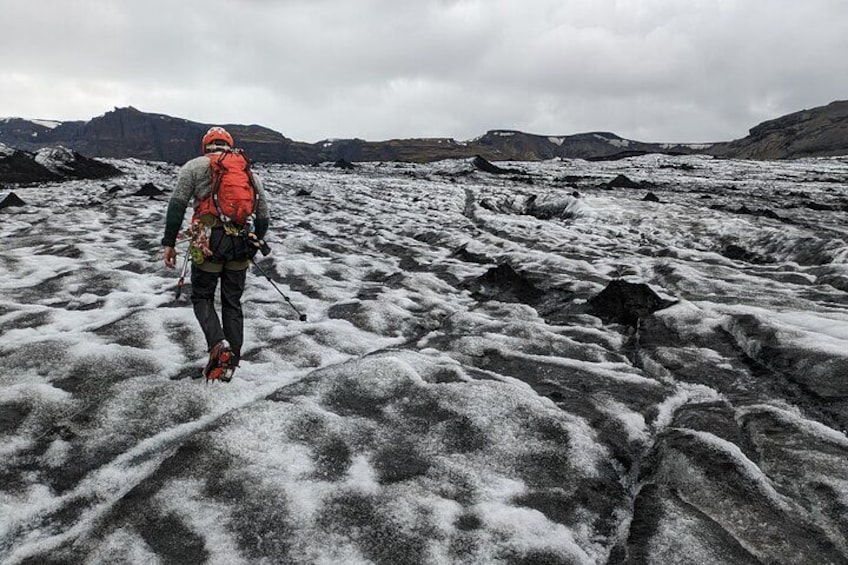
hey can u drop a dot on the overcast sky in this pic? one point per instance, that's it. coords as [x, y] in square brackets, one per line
[651, 70]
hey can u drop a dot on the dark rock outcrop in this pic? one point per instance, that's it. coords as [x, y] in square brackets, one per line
[623, 302]
[739, 253]
[551, 208]
[622, 181]
[68, 163]
[463, 254]
[21, 167]
[12, 200]
[548, 208]
[745, 211]
[51, 164]
[487, 167]
[505, 284]
[86, 168]
[343, 164]
[149, 189]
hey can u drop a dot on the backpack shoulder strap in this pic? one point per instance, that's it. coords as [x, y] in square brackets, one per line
[216, 164]
[251, 180]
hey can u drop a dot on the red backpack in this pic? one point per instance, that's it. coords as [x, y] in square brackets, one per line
[233, 196]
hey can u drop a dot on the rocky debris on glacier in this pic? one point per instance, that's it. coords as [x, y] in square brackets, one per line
[149, 189]
[12, 200]
[50, 164]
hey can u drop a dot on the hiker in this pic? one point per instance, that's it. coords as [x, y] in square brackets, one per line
[229, 222]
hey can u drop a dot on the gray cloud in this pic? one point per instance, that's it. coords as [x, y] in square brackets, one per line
[655, 70]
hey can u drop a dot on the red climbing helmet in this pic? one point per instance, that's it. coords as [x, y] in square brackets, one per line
[215, 138]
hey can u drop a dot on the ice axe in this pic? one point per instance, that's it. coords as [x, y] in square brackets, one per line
[181, 281]
[261, 270]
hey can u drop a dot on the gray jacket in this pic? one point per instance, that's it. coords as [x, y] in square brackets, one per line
[194, 184]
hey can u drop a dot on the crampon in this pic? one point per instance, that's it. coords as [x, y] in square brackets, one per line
[222, 363]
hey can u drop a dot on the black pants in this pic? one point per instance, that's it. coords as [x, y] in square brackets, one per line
[231, 324]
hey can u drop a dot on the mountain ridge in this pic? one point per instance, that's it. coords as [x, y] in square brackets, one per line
[129, 132]
[814, 132]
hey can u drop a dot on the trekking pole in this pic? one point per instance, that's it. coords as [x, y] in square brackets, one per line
[261, 270]
[181, 281]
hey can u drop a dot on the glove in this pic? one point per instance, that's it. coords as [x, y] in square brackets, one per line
[170, 256]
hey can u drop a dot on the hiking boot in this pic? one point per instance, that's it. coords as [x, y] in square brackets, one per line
[220, 365]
